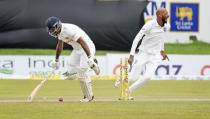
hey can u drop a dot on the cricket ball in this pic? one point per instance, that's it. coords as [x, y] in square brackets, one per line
[60, 99]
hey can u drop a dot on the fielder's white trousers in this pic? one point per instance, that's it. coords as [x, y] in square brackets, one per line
[143, 69]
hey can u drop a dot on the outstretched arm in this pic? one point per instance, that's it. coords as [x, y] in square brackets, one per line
[139, 37]
[59, 49]
[92, 64]
[145, 29]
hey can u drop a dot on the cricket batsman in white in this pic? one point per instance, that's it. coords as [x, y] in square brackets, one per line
[82, 56]
[150, 52]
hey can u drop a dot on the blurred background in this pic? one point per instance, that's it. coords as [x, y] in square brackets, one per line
[27, 50]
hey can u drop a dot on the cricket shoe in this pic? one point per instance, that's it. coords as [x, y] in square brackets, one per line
[130, 98]
[87, 100]
[117, 83]
[68, 76]
[129, 95]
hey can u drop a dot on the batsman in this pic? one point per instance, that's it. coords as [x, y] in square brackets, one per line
[82, 56]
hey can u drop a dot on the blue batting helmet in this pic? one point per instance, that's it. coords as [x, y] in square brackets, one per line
[53, 25]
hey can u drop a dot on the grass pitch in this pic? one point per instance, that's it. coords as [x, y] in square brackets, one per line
[156, 100]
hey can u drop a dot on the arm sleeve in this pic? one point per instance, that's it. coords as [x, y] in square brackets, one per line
[75, 32]
[163, 47]
[145, 29]
[76, 36]
[166, 29]
[135, 43]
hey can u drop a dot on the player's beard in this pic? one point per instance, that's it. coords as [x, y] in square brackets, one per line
[164, 21]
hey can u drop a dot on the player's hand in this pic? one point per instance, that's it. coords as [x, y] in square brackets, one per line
[55, 64]
[130, 60]
[164, 55]
[93, 65]
[91, 62]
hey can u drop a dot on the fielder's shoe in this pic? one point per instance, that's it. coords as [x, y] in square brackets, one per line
[129, 95]
[117, 83]
[130, 98]
[87, 100]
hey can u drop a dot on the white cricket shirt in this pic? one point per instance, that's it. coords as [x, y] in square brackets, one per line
[151, 37]
[70, 33]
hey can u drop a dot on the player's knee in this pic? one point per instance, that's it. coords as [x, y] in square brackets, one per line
[83, 76]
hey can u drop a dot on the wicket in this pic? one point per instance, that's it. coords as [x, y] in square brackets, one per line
[124, 83]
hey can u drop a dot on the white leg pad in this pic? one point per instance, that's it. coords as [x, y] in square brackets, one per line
[88, 89]
[86, 85]
[83, 88]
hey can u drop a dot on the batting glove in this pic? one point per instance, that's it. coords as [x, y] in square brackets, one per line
[55, 65]
[92, 64]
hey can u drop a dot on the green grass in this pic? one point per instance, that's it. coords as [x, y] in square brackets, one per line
[106, 110]
[104, 88]
[177, 48]
[190, 48]
[187, 100]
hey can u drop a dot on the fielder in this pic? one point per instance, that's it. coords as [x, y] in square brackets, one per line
[82, 56]
[151, 51]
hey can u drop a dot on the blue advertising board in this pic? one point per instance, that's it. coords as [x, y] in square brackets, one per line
[184, 17]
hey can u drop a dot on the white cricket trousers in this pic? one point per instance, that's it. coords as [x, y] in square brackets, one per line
[78, 60]
[78, 64]
[143, 69]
